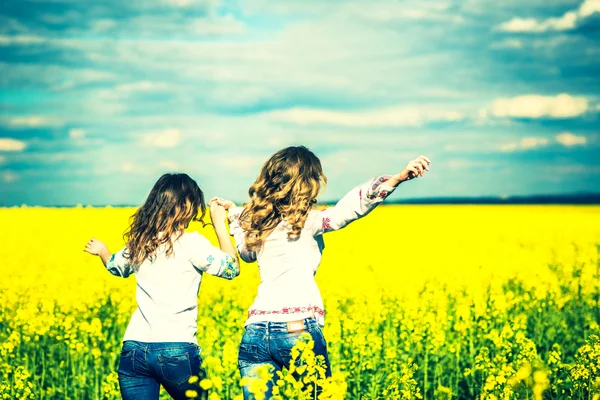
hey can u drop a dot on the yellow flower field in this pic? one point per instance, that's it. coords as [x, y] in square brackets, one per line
[422, 302]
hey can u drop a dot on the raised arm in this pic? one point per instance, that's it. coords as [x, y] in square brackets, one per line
[361, 200]
[207, 258]
[236, 230]
[116, 263]
[239, 235]
[218, 215]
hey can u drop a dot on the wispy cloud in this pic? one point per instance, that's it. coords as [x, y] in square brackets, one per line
[8, 144]
[387, 117]
[569, 140]
[167, 138]
[33, 121]
[538, 106]
[9, 176]
[568, 21]
[526, 143]
[77, 133]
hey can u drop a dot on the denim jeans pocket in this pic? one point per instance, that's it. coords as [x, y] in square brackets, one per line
[175, 368]
[127, 362]
[247, 355]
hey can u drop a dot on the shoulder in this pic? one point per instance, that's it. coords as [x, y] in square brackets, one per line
[192, 239]
[315, 216]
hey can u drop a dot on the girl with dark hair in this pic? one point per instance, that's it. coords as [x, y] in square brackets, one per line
[281, 230]
[160, 346]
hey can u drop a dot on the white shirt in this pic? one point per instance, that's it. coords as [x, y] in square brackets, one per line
[288, 290]
[168, 286]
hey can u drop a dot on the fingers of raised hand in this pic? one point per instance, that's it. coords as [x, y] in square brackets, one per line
[424, 158]
[413, 171]
[424, 164]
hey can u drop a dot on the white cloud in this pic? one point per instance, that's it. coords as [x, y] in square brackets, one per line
[179, 3]
[33, 121]
[537, 106]
[20, 40]
[507, 44]
[589, 7]
[8, 144]
[167, 138]
[2, 160]
[168, 165]
[127, 167]
[569, 20]
[217, 26]
[383, 12]
[9, 177]
[568, 139]
[387, 117]
[77, 133]
[142, 86]
[526, 143]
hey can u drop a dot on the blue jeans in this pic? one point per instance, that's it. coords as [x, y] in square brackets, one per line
[270, 343]
[143, 367]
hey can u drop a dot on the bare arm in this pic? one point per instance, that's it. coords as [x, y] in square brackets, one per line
[218, 215]
[361, 200]
[236, 230]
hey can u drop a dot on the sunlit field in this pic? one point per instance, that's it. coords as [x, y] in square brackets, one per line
[422, 302]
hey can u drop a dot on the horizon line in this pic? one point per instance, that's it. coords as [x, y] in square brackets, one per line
[590, 198]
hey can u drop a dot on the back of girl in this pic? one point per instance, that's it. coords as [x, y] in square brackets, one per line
[281, 230]
[160, 345]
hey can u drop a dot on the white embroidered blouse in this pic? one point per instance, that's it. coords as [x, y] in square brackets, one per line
[288, 290]
[167, 287]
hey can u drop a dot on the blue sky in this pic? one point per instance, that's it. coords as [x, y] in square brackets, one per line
[99, 98]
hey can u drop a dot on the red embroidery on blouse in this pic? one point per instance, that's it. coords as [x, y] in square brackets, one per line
[326, 223]
[287, 310]
[374, 192]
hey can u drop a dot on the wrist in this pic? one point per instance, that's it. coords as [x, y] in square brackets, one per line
[220, 227]
[394, 181]
[104, 254]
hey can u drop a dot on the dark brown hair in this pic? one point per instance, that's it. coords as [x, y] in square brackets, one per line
[286, 189]
[172, 204]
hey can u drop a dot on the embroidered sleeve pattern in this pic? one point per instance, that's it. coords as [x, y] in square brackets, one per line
[118, 266]
[229, 267]
[377, 190]
[221, 264]
[210, 259]
[354, 205]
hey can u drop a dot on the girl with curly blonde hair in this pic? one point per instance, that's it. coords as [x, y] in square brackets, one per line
[281, 229]
[160, 346]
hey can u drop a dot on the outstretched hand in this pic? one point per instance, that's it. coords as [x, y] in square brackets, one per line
[95, 247]
[414, 169]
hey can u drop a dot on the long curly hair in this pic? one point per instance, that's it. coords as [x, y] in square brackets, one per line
[172, 204]
[286, 190]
